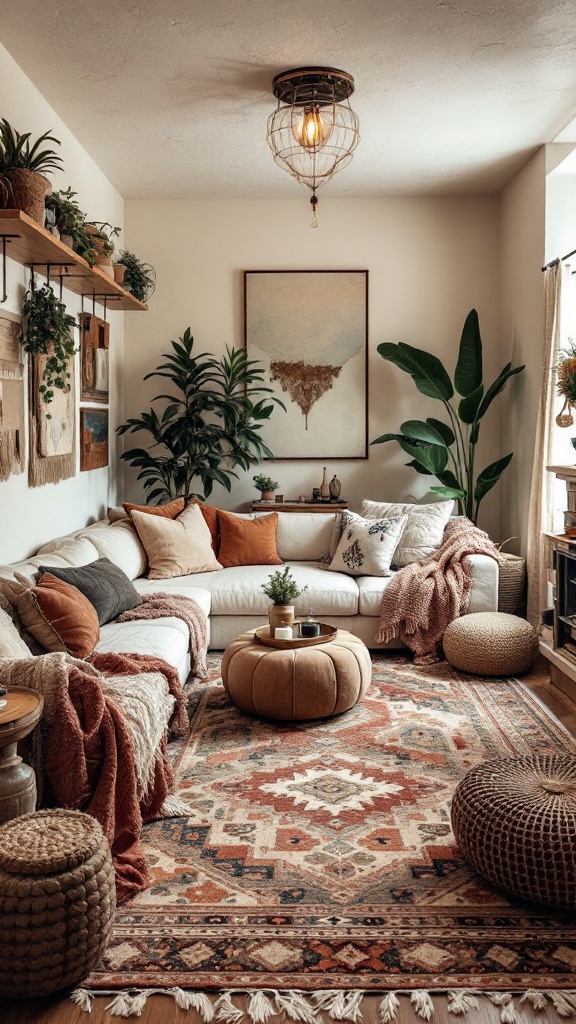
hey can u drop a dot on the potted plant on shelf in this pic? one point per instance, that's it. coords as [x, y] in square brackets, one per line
[70, 222]
[447, 450]
[46, 331]
[266, 485]
[101, 234]
[282, 590]
[22, 170]
[210, 425]
[139, 278]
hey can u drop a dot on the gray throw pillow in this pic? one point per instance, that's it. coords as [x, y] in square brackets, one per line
[105, 585]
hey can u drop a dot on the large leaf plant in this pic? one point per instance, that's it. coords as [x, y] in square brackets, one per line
[446, 448]
[210, 425]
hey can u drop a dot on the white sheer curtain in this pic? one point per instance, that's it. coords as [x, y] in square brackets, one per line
[549, 445]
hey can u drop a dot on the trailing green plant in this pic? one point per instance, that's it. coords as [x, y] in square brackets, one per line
[16, 152]
[71, 220]
[46, 328]
[140, 278]
[209, 426]
[264, 483]
[281, 587]
[447, 450]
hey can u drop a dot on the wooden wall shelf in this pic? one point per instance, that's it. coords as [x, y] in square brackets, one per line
[29, 243]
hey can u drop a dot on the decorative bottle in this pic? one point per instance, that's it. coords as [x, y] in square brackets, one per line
[335, 488]
[324, 488]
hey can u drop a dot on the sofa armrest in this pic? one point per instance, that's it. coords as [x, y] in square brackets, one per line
[484, 592]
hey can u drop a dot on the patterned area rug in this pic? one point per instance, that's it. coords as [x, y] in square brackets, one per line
[320, 855]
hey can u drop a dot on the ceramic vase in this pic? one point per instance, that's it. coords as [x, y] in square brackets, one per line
[280, 615]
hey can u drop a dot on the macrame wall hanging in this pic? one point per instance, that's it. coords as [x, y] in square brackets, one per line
[53, 437]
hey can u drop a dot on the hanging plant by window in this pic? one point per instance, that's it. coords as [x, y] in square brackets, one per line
[566, 385]
[46, 331]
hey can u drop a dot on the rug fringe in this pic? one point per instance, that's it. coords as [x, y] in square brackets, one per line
[336, 1004]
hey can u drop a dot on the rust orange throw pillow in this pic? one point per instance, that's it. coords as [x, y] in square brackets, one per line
[59, 617]
[248, 541]
[170, 510]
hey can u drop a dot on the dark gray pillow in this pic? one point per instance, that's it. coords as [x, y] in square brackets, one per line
[105, 585]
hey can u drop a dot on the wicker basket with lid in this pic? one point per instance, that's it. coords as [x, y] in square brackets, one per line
[57, 901]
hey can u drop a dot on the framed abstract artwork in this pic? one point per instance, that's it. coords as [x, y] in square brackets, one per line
[93, 438]
[309, 330]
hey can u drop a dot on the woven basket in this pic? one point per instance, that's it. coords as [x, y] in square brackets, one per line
[57, 901]
[514, 820]
[511, 583]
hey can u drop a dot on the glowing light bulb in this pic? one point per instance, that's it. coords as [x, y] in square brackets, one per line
[311, 132]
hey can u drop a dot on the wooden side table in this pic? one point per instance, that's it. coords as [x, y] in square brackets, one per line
[298, 506]
[19, 715]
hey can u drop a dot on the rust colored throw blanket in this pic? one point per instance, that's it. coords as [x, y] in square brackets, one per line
[163, 605]
[425, 597]
[84, 748]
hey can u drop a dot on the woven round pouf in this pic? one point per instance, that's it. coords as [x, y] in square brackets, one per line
[296, 684]
[490, 644]
[514, 820]
[57, 901]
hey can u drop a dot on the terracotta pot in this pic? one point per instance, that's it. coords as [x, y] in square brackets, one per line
[105, 264]
[281, 615]
[119, 272]
[29, 190]
[67, 240]
[267, 495]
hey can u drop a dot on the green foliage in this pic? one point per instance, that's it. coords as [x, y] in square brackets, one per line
[207, 428]
[46, 330]
[447, 450]
[265, 483]
[103, 235]
[140, 278]
[16, 151]
[281, 587]
[70, 220]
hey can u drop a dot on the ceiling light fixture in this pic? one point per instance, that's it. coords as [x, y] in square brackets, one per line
[313, 132]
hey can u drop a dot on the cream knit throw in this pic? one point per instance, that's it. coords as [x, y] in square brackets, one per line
[425, 597]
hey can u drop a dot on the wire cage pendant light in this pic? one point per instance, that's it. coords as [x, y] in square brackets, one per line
[313, 132]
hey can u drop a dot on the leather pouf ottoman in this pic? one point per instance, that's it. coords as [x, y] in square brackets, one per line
[296, 684]
[490, 644]
[57, 901]
[514, 820]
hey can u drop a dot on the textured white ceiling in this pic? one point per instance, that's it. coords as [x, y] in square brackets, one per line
[171, 97]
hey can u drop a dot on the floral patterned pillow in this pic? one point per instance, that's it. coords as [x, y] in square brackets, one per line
[367, 546]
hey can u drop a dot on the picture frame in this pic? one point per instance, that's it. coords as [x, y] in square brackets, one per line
[94, 358]
[309, 331]
[93, 439]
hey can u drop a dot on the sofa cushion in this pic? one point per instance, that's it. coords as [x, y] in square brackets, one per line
[120, 543]
[371, 591]
[11, 643]
[59, 617]
[367, 545]
[248, 541]
[180, 585]
[169, 510]
[165, 638]
[77, 550]
[104, 584]
[304, 536]
[424, 529]
[176, 547]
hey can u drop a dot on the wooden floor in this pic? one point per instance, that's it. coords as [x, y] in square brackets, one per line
[162, 1009]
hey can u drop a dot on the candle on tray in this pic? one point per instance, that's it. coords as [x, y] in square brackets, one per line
[283, 633]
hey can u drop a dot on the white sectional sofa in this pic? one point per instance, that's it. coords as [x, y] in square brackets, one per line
[232, 598]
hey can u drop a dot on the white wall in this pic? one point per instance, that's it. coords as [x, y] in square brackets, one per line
[429, 262]
[522, 254]
[31, 516]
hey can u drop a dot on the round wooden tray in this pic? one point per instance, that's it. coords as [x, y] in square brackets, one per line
[327, 633]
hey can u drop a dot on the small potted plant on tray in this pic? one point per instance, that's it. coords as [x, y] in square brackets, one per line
[266, 485]
[282, 589]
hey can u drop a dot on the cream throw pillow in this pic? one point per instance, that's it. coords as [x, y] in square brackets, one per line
[176, 547]
[11, 643]
[424, 530]
[367, 545]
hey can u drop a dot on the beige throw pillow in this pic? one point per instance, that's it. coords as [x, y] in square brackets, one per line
[11, 643]
[176, 547]
[424, 530]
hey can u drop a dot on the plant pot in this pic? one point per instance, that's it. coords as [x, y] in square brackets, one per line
[281, 615]
[67, 240]
[119, 272]
[266, 495]
[29, 189]
[105, 264]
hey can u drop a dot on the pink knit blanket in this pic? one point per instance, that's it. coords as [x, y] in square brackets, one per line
[425, 597]
[164, 605]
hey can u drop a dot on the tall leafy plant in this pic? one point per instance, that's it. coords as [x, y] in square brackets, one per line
[447, 450]
[210, 425]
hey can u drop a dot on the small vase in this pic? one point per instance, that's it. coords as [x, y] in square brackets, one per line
[324, 488]
[335, 488]
[119, 272]
[280, 615]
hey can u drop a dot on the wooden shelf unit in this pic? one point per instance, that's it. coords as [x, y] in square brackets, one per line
[29, 243]
[298, 506]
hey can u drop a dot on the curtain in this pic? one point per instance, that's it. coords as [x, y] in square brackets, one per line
[542, 516]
